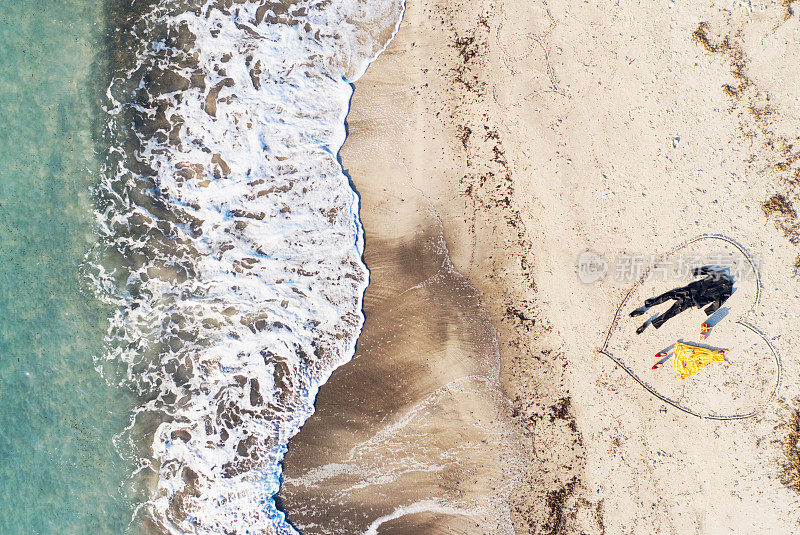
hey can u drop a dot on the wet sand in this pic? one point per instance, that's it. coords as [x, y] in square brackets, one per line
[415, 425]
[426, 415]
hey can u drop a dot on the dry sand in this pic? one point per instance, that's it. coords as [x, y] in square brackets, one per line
[492, 143]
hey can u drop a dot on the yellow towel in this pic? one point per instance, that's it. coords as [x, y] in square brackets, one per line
[689, 360]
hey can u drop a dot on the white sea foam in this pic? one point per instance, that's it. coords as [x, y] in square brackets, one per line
[231, 240]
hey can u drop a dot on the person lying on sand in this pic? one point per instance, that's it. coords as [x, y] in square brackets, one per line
[714, 289]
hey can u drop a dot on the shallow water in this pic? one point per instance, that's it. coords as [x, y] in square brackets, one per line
[205, 218]
[59, 469]
[231, 244]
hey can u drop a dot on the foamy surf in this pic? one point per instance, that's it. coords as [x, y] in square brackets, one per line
[231, 240]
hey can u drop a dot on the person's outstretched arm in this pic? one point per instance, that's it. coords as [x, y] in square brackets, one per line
[713, 307]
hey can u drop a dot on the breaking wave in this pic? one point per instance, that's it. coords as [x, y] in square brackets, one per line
[230, 240]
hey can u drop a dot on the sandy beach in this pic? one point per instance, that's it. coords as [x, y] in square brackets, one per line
[492, 144]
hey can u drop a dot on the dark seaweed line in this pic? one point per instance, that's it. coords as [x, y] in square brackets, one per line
[643, 384]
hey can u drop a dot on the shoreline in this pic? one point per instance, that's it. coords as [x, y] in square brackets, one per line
[385, 176]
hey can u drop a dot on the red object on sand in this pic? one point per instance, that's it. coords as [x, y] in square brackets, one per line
[705, 330]
[660, 356]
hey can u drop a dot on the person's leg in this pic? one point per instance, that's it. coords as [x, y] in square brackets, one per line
[678, 307]
[666, 296]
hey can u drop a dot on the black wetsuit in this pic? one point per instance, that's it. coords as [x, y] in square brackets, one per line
[714, 289]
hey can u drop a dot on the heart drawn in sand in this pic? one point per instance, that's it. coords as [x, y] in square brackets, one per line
[739, 388]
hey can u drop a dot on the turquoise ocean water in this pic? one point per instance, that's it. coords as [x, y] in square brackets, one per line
[59, 470]
[237, 281]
